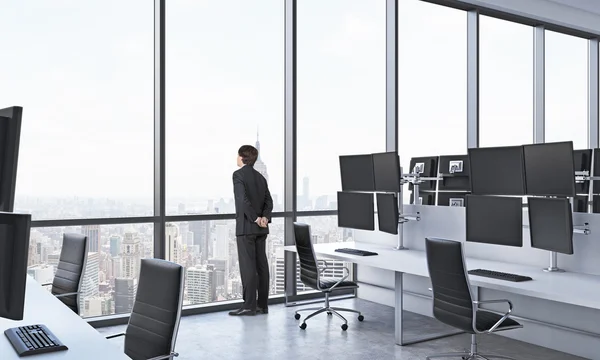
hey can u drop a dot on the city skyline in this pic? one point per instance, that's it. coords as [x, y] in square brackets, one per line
[207, 250]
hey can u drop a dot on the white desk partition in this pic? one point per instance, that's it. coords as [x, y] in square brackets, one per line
[83, 341]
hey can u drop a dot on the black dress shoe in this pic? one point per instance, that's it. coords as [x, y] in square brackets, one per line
[243, 312]
[262, 310]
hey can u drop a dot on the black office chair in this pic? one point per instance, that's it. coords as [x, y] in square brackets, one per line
[154, 320]
[311, 275]
[452, 301]
[66, 285]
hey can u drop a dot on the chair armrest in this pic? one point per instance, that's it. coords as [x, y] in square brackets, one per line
[162, 357]
[346, 274]
[504, 317]
[66, 294]
[115, 335]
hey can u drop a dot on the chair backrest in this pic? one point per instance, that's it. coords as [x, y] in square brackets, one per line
[71, 265]
[452, 302]
[154, 320]
[309, 269]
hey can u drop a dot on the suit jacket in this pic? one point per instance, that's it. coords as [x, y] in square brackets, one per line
[252, 200]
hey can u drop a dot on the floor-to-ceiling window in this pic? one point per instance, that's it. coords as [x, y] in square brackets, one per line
[86, 148]
[224, 89]
[432, 81]
[566, 89]
[505, 83]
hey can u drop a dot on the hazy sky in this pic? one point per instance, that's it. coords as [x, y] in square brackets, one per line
[83, 71]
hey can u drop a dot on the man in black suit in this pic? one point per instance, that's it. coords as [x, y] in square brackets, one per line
[253, 208]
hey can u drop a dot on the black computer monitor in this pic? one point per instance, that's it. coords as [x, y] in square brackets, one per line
[426, 166]
[451, 199]
[387, 213]
[596, 204]
[10, 134]
[386, 168]
[582, 160]
[454, 170]
[497, 170]
[551, 224]
[425, 198]
[549, 169]
[14, 249]
[357, 172]
[495, 220]
[356, 210]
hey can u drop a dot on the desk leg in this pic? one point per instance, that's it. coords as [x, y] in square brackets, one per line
[399, 316]
[399, 308]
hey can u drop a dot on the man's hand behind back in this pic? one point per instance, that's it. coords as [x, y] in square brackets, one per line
[263, 222]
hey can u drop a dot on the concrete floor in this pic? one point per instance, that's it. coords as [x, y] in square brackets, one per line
[277, 336]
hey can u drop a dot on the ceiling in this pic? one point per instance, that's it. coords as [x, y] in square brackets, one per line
[592, 6]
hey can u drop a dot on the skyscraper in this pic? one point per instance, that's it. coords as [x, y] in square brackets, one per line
[124, 294]
[174, 245]
[201, 284]
[222, 245]
[131, 255]
[115, 245]
[93, 234]
[90, 284]
[260, 166]
[201, 230]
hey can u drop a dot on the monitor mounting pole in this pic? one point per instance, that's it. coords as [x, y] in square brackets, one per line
[400, 245]
[553, 263]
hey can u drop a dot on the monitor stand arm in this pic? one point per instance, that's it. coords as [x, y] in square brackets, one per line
[577, 229]
[402, 218]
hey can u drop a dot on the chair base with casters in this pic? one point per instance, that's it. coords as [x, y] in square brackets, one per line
[470, 355]
[330, 311]
[311, 274]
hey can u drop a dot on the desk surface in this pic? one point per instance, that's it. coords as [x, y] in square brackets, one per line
[571, 288]
[83, 341]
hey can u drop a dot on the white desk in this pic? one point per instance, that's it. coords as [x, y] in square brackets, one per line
[571, 288]
[83, 341]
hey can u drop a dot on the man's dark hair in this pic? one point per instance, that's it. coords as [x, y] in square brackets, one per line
[249, 154]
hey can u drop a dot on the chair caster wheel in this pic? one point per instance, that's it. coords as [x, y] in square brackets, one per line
[329, 313]
[361, 318]
[303, 326]
[345, 327]
[297, 316]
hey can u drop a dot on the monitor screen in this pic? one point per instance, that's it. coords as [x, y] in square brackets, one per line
[454, 170]
[549, 169]
[356, 210]
[497, 170]
[551, 224]
[426, 166]
[14, 250]
[495, 220]
[10, 133]
[357, 172]
[386, 168]
[451, 199]
[387, 213]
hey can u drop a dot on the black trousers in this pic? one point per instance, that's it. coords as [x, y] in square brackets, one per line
[254, 269]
